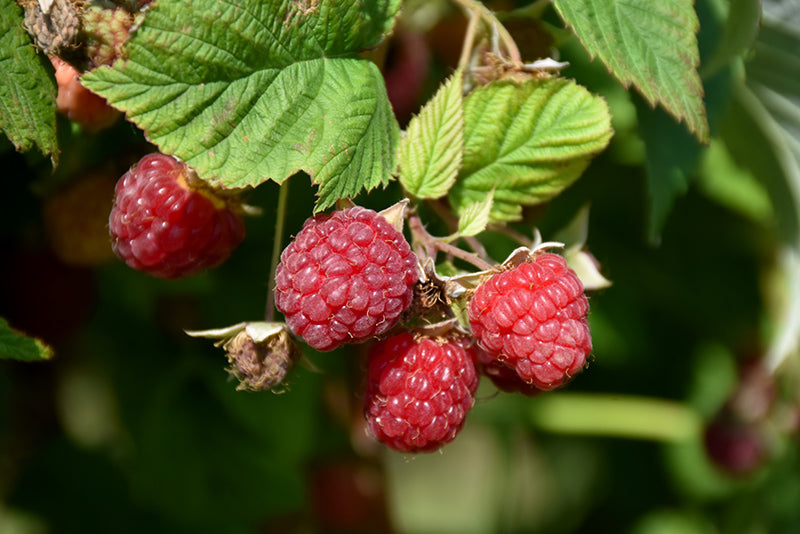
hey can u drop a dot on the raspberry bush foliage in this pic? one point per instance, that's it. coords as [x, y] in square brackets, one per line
[553, 242]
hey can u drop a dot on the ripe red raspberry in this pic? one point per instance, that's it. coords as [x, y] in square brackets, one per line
[78, 103]
[533, 318]
[162, 223]
[347, 276]
[504, 378]
[418, 392]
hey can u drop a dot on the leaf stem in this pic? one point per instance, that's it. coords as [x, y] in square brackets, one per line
[277, 247]
[518, 237]
[469, 38]
[490, 19]
[452, 222]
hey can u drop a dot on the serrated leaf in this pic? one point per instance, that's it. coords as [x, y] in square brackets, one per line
[430, 153]
[252, 91]
[475, 217]
[27, 91]
[671, 153]
[651, 45]
[17, 346]
[527, 141]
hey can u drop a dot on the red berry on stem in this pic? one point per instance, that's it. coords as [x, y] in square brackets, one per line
[347, 277]
[163, 225]
[418, 392]
[533, 318]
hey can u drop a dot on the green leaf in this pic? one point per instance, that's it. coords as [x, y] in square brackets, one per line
[672, 153]
[475, 217]
[252, 91]
[430, 153]
[651, 45]
[17, 346]
[527, 141]
[27, 90]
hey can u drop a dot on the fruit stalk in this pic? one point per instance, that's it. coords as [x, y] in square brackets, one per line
[277, 247]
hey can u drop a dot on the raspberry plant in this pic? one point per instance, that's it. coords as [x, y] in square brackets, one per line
[441, 156]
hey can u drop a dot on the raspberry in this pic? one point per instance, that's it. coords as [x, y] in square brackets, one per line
[504, 378]
[348, 276]
[78, 103]
[418, 392]
[104, 32]
[76, 219]
[533, 318]
[163, 224]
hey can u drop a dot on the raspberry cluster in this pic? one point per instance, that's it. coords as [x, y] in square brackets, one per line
[78, 38]
[349, 276]
[164, 223]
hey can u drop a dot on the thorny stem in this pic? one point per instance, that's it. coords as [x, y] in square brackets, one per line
[429, 242]
[277, 242]
[508, 42]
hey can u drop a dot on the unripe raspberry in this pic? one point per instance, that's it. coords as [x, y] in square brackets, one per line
[418, 391]
[104, 32]
[78, 103]
[533, 318]
[76, 220]
[164, 224]
[346, 278]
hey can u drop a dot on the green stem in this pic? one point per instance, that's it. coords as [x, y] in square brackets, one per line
[277, 247]
[469, 38]
[615, 415]
[491, 20]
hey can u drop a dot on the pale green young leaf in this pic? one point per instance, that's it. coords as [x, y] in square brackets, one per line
[27, 90]
[429, 155]
[527, 142]
[475, 217]
[652, 45]
[17, 346]
[252, 91]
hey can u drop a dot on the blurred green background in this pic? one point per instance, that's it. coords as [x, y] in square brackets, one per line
[678, 425]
